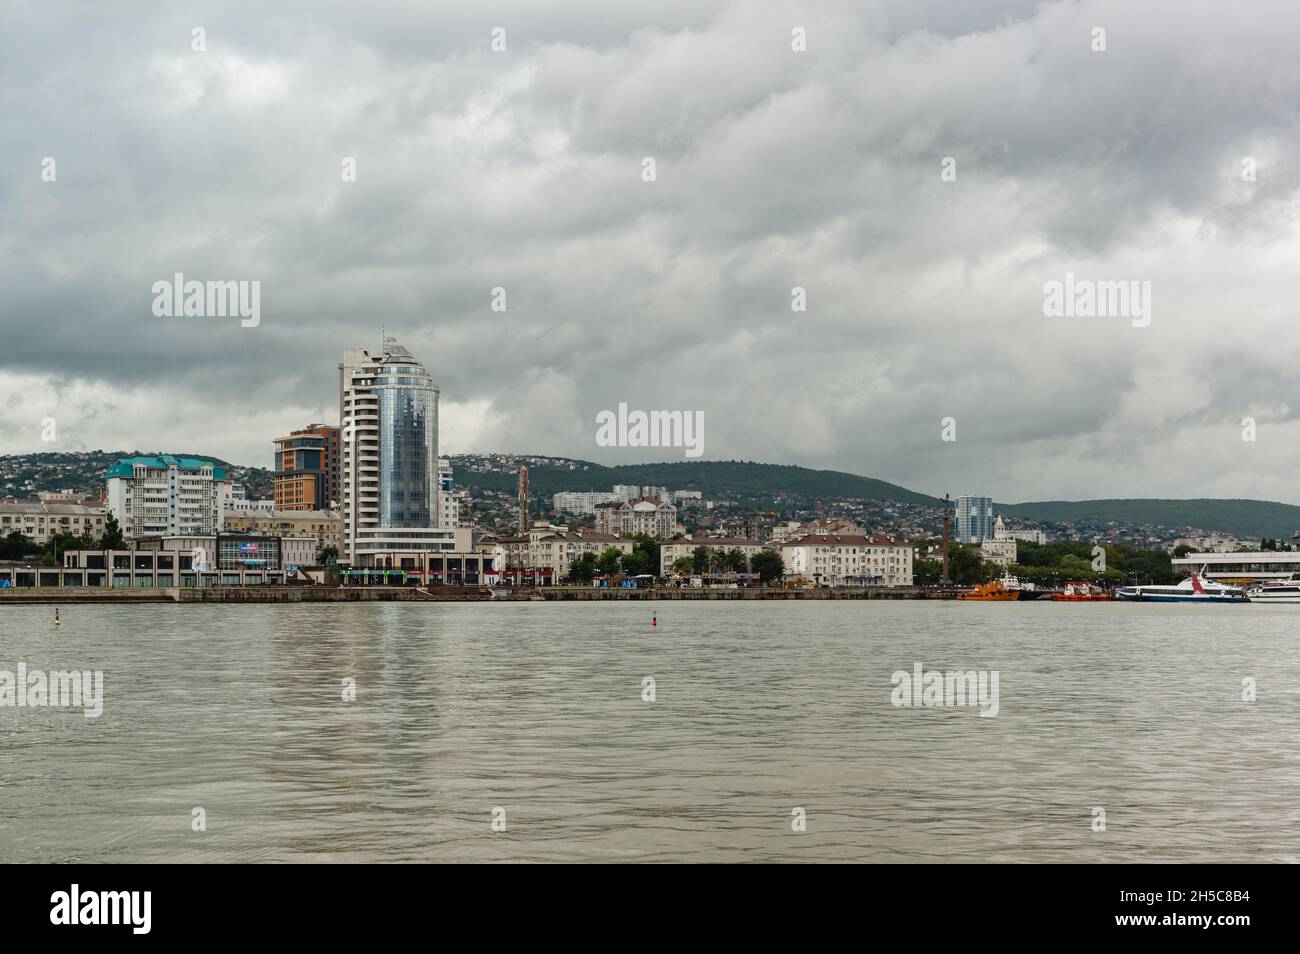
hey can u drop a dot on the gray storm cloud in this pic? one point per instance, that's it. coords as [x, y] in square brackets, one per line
[522, 169]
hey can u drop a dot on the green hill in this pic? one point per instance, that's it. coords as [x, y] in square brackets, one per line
[1250, 519]
[746, 480]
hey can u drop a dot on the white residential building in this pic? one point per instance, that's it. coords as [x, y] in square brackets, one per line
[388, 405]
[793, 529]
[549, 547]
[40, 520]
[850, 560]
[1215, 543]
[167, 496]
[239, 500]
[1029, 536]
[451, 504]
[650, 516]
[581, 502]
[450, 501]
[670, 553]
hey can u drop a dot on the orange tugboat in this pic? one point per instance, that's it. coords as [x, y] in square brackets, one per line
[989, 592]
[1080, 593]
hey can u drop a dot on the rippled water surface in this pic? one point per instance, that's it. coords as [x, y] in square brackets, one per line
[759, 708]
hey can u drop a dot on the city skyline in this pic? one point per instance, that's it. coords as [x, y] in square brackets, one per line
[823, 169]
[705, 432]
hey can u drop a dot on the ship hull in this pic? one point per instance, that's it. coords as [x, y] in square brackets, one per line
[1172, 598]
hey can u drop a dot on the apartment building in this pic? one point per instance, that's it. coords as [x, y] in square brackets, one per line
[848, 560]
[793, 529]
[389, 465]
[581, 502]
[670, 553]
[167, 496]
[974, 518]
[551, 548]
[42, 519]
[239, 500]
[306, 472]
[649, 515]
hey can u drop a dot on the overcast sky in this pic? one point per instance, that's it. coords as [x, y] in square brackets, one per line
[774, 168]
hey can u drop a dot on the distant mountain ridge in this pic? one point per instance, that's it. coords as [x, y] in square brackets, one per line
[746, 479]
[1248, 519]
[83, 471]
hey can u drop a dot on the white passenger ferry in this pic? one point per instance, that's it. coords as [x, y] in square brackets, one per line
[1194, 590]
[1279, 591]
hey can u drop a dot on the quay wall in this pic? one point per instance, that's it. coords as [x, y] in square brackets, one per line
[372, 594]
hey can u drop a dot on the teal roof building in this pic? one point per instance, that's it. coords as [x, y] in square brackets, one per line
[126, 466]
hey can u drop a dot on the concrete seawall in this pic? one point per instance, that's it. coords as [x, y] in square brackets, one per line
[436, 594]
[565, 593]
[71, 594]
[236, 594]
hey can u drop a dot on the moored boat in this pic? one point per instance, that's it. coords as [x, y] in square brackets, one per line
[1080, 593]
[1281, 591]
[989, 592]
[1024, 589]
[1193, 590]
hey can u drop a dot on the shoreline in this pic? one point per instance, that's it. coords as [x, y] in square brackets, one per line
[275, 595]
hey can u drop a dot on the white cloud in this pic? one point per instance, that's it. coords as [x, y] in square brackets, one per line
[819, 169]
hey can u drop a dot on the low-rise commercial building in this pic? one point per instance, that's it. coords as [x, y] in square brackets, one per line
[324, 526]
[233, 551]
[163, 566]
[1240, 567]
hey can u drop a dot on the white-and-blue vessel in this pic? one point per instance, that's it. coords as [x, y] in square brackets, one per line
[1194, 590]
[1279, 591]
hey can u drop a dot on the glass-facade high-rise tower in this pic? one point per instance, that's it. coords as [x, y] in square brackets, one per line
[974, 519]
[389, 409]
